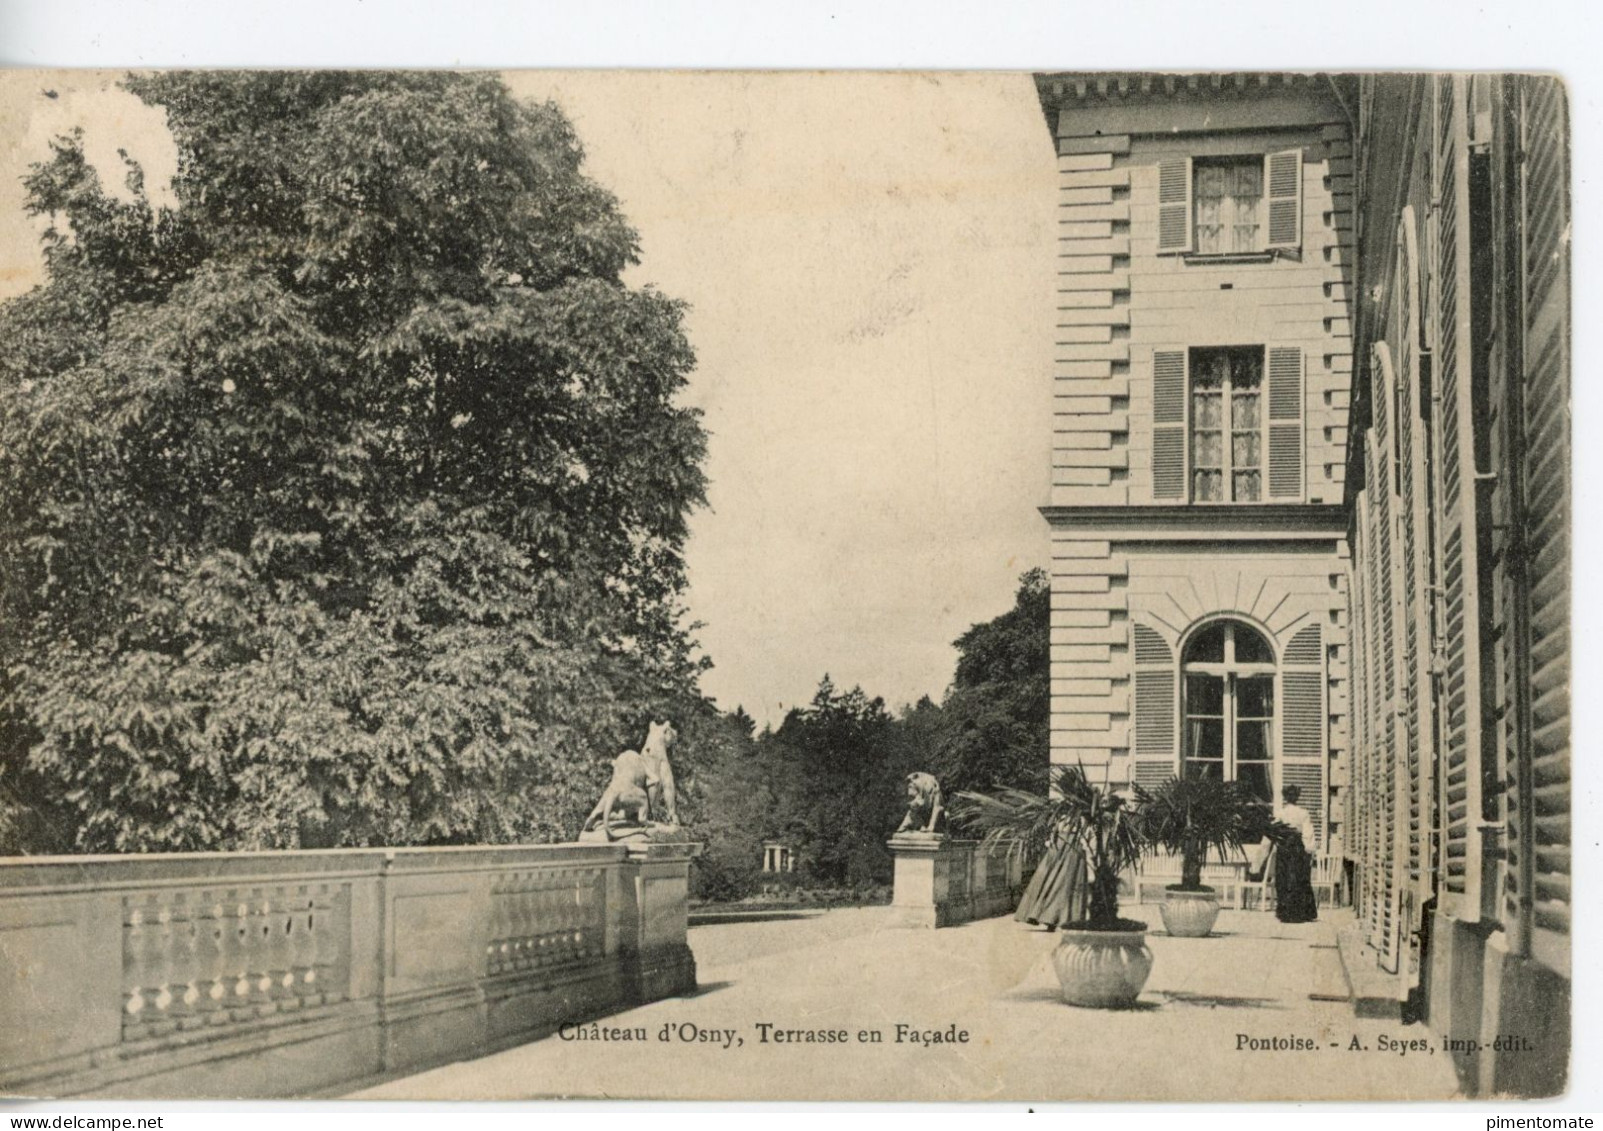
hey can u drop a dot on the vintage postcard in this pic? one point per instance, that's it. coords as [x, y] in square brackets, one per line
[785, 586]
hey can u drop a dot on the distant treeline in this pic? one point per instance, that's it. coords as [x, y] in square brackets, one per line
[828, 781]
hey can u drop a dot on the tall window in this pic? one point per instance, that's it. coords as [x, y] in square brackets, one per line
[1229, 701]
[1229, 205]
[1227, 425]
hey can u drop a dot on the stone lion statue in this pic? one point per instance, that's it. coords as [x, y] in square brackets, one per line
[925, 813]
[642, 786]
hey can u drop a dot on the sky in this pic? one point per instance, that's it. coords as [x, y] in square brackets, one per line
[868, 263]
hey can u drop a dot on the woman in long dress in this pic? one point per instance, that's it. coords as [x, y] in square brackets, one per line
[1057, 894]
[1293, 866]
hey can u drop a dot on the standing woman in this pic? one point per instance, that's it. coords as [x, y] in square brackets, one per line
[1057, 894]
[1294, 839]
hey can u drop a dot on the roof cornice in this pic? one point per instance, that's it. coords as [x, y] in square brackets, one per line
[1060, 90]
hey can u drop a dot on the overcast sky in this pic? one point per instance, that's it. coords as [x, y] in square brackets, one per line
[868, 262]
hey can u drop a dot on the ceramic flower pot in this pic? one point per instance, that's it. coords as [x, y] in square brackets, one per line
[1102, 969]
[1189, 914]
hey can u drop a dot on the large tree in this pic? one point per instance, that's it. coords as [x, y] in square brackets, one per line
[342, 502]
[846, 762]
[994, 726]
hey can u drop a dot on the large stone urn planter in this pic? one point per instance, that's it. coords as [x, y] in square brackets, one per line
[1102, 969]
[1189, 914]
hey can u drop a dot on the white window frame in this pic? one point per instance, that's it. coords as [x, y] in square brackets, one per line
[1227, 430]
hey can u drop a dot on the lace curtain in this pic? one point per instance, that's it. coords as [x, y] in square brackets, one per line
[1228, 196]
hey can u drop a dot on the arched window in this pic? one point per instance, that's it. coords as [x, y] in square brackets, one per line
[1228, 697]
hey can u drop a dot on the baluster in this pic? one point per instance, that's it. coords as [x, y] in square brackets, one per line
[303, 949]
[261, 936]
[186, 943]
[239, 957]
[561, 918]
[537, 920]
[507, 918]
[598, 913]
[523, 947]
[161, 964]
[506, 957]
[501, 958]
[574, 893]
[280, 920]
[556, 920]
[566, 926]
[542, 921]
[133, 947]
[581, 915]
[511, 924]
[212, 950]
[583, 898]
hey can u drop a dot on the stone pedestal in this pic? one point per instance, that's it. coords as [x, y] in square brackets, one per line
[932, 880]
[941, 882]
[652, 929]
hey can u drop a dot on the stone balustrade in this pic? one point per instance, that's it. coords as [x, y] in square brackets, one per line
[941, 882]
[288, 973]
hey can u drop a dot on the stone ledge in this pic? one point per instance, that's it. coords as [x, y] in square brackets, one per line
[1374, 993]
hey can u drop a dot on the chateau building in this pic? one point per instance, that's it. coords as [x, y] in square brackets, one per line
[1309, 504]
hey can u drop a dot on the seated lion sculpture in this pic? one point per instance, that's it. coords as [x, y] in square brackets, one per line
[925, 813]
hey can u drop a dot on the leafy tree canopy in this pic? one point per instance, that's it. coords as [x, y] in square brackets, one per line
[344, 501]
[994, 727]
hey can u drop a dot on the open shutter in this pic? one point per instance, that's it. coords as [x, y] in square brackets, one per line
[1174, 206]
[1282, 172]
[1303, 747]
[1154, 707]
[1169, 424]
[1544, 797]
[1285, 423]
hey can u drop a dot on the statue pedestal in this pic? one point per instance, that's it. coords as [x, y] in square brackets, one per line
[655, 880]
[932, 880]
[632, 834]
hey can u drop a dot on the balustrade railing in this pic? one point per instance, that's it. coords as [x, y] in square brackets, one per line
[283, 973]
[545, 920]
[200, 957]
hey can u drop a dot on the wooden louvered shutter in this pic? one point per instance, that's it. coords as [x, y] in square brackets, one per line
[1174, 206]
[1545, 283]
[1169, 382]
[1386, 597]
[1360, 749]
[1303, 747]
[1282, 174]
[1412, 409]
[1459, 773]
[1154, 707]
[1285, 423]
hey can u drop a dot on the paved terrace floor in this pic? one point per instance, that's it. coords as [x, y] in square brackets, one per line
[850, 970]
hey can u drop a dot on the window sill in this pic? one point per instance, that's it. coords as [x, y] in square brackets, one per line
[1229, 257]
[1210, 503]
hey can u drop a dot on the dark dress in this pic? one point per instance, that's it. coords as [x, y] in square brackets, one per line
[1057, 893]
[1294, 885]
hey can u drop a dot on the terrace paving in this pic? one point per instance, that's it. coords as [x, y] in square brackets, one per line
[851, 970]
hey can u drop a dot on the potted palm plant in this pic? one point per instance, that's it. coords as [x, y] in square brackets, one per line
[1193, 817]
[1101, 960]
